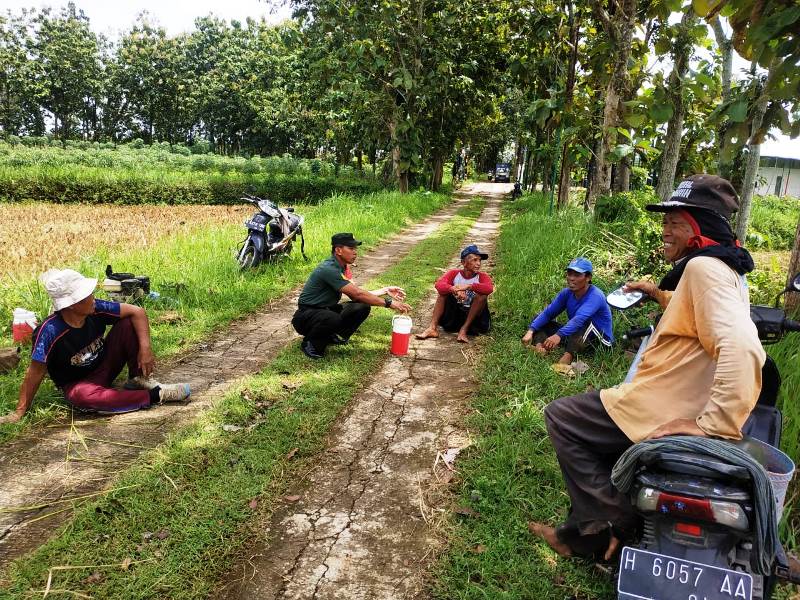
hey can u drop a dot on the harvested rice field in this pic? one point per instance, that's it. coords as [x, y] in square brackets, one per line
[37, 236]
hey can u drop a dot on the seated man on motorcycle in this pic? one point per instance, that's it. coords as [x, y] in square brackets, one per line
[700, 374]
[319, 318]
[589, 317]
[71, 346]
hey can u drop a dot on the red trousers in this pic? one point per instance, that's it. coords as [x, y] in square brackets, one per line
[95, 392]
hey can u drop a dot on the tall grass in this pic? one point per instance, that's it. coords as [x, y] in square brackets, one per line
[199, 278]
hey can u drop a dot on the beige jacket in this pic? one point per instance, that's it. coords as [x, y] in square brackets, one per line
[703, 361]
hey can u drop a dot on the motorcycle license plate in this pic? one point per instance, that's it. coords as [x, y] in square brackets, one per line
[254, 225]
[650, 576]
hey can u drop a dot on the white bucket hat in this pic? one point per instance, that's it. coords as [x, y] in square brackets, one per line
[67, 287]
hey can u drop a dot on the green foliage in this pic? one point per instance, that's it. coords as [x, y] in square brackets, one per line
[624, 215]
[773, 222]
[135, 174]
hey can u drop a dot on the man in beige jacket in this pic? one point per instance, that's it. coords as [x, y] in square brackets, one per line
[700, 374]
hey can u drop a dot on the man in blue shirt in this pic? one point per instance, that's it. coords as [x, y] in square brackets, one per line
[589, 316]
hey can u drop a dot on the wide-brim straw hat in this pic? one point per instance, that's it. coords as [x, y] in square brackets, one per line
[67, 287]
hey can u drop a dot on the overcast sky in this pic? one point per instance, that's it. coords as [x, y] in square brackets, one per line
[113, 16]
[110, 17]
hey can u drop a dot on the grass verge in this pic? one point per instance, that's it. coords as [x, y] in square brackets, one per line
[182, 524]
[510, 475]
[203, 286]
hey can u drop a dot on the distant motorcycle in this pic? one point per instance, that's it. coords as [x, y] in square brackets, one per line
[271, 231]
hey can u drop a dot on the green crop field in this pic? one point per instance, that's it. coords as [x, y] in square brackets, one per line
[135, 174]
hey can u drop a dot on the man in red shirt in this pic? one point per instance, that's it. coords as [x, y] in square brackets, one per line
[462, 304]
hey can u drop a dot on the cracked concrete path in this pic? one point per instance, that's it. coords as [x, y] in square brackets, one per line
[51, 463]
[366, 524]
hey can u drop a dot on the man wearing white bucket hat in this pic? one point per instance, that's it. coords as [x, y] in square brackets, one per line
[71, 346]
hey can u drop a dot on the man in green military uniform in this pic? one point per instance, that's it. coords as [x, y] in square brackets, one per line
[320, 318]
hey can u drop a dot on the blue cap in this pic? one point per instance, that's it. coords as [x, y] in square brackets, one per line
[580, 264]
[473, 249]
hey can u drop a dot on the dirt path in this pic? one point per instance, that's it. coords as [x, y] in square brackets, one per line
[52, 463]
[365, 526]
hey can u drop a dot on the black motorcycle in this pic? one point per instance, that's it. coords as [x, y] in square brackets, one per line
[270, 233]
[698, 538]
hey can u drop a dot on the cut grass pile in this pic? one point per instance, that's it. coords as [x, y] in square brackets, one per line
[510, 475]
[164, 173]
[195, 498]
[200, 281]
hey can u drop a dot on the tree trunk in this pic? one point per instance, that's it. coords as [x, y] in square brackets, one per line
[437, 171]
[793, 298]
[590, 175]
[402, 182]
[546, 179]
[725, 45]
[753, 159]
[681, 51]
[564, 179]
[619, 29]
[402, 177]
[622, 175]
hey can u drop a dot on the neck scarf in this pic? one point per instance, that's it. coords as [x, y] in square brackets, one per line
[713, 237]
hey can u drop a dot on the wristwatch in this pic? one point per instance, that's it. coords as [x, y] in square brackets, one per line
[387, 302]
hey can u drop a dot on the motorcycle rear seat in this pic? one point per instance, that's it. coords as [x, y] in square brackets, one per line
[764, 424]
[699, 465]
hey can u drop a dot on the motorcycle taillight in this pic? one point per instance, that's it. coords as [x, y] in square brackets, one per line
[729, 514]
[684, 506]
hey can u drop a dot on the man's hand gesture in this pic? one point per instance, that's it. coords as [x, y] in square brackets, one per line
[396, 293]
[400, 307]
[551, 342]
[677, 427]
[146, 361]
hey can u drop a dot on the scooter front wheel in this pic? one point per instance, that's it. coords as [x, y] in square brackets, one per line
[249, 256]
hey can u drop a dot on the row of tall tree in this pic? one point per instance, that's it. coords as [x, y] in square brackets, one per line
[582, 89]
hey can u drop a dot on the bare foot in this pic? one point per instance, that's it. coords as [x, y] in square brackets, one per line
[548, 534]
[462, 337]
[428, 333]
[566, 359]
[613, 546]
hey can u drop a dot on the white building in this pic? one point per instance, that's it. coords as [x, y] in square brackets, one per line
[778, 176]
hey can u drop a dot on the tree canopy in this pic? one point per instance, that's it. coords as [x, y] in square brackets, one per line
[610, 92]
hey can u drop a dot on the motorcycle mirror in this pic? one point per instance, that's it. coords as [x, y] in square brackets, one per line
[622, 300]
[794, 286]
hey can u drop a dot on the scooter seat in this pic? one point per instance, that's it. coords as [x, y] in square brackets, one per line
[699, 465]
[764, 424]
